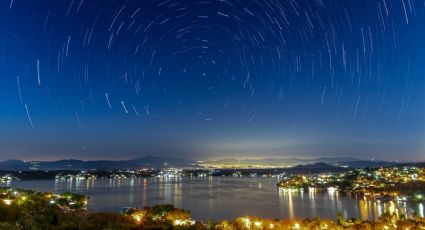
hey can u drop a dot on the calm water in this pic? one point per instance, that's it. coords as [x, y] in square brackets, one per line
[217, 197]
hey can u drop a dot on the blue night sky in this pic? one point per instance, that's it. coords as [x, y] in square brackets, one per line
[96, 79]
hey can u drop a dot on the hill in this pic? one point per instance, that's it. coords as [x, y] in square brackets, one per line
[72, 164]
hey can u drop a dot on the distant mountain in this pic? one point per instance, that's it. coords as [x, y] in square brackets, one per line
[71, 164]
[365, 164]
[316, 166]
[13, 165]
[291, 162]
[283, 162]
[165, 162]
[336, 160]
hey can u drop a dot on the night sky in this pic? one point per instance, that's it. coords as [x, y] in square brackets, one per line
[202, 79]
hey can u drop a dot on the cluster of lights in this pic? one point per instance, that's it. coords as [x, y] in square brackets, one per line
[370, 183]
[7, 201]
[6, 178]
[138, 216]
[183, 222]
[170, 173]
[266, 224]
[19, 197]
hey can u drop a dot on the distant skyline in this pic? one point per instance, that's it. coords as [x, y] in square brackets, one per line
[212, 79]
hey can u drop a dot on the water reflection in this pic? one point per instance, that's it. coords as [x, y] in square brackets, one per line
[380, 212]
[221, 198]
[364, 214]
[311, 196]
[290, 205]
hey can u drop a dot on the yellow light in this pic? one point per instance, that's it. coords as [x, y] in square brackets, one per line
[180, 222]
[247, 222]
[177, 222]
[297, 226]
[257, 224]
[392, 207]
[137, 217]
[7, 201]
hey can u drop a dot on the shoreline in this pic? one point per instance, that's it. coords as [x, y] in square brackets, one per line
[268, 196]
[68, 210]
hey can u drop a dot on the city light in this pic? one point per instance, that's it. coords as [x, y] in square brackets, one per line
[258, 224]
[7, 201]
[393, 183]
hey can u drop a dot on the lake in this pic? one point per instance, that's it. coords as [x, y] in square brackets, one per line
[218, 197]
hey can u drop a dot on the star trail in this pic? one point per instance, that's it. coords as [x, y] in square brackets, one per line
[201, 79]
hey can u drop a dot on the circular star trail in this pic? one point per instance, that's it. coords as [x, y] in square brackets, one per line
[203, 78]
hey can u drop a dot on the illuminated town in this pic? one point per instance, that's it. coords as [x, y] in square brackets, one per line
[394, 183]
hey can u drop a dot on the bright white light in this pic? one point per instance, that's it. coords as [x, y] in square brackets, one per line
[7, 201]
[257, 224]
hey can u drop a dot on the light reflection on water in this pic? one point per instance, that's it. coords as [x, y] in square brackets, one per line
[220, 197]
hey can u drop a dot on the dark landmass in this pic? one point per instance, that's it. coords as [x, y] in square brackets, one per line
[154, 166]
[66, 174]
[300, 169]
[274, 161]
[143, 162]
[419, 165]
[367, 164]
[268, 172]
[315, 168]
[152, 162]
[291, 162]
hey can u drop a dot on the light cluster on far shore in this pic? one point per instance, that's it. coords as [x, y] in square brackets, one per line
[385, 184]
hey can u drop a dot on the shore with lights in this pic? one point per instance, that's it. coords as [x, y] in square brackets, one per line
[406, 184]
[151, 173]
[381, 184]
[23, 209]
